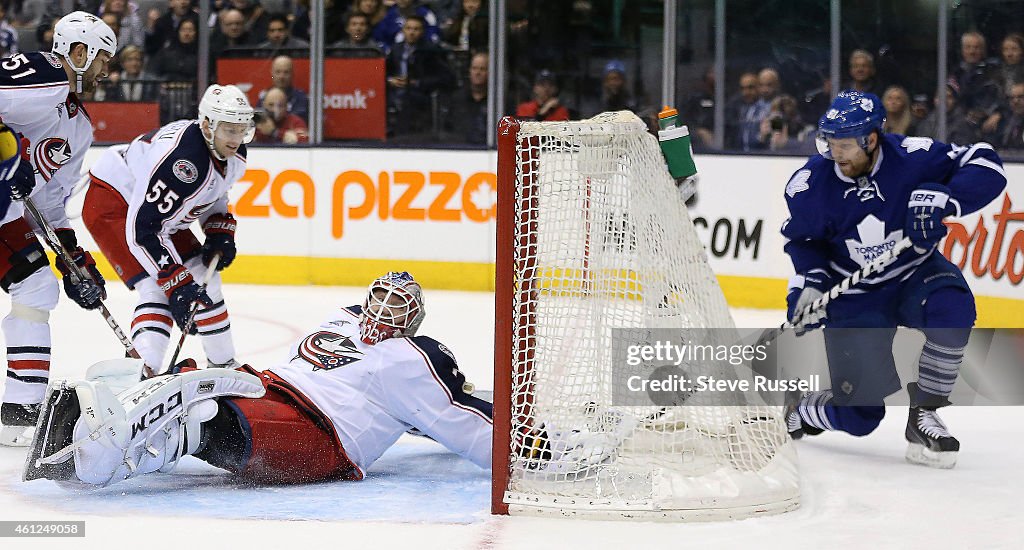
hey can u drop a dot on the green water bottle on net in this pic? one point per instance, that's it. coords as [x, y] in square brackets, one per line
[675, 144]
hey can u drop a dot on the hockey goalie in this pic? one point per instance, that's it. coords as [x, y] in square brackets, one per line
[352, 387]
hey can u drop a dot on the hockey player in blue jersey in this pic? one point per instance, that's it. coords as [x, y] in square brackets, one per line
[850, 204]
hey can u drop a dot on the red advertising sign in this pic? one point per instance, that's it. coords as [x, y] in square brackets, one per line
[354, 94]
[119, 122]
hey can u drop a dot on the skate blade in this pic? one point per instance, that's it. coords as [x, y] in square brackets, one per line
[16, 436]
[919, 454]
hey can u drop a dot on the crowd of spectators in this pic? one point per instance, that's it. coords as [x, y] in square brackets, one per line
[435, 54]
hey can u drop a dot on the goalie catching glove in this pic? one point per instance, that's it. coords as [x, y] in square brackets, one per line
[90, 290]
[220, 239]
[182, 291]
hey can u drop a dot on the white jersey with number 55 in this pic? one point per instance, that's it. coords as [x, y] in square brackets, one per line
[169, 179]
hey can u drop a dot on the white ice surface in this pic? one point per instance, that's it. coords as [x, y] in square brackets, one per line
[856, 493]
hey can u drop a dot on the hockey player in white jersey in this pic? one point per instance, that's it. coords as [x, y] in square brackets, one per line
[39, 102]
[347, 391]
[142, 199]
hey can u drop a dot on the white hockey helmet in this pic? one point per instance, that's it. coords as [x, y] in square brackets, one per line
[88, 29]
[393, 308]
[225, 104]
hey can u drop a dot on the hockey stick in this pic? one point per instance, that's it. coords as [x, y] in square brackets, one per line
[76, 273]
[874, 267]
[210, 270]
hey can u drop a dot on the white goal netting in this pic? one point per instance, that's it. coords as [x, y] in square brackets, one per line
[602, 241]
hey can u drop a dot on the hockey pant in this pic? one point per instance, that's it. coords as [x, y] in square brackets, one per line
[278, 438]
[859, 337]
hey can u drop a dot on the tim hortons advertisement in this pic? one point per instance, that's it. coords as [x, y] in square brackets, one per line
[354, 95]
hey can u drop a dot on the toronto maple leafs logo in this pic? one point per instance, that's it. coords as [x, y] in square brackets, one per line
[832, 114]
[867, 104]
[912, 144]
[327, 350]
[798, 183]
[874, 241]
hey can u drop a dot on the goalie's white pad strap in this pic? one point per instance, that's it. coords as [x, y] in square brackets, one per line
[118, 374]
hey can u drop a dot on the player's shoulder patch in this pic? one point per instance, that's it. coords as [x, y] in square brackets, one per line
[185, 170]
[32, 70]
[916, 143]
[189, 162]
[799, 182]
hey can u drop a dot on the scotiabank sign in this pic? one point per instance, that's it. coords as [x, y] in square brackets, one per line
[354, 93]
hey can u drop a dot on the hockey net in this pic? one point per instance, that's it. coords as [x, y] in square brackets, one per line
[593, 237]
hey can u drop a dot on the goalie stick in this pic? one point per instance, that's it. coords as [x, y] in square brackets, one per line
[76, 273]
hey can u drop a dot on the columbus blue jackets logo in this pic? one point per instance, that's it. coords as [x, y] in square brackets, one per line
[185, 171]
[50, 154]
[327, 350]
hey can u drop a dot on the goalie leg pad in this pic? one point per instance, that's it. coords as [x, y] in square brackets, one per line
[148, 427]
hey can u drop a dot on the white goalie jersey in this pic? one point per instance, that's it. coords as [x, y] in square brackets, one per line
[374, 393]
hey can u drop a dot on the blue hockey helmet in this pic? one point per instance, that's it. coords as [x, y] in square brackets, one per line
[852, 114]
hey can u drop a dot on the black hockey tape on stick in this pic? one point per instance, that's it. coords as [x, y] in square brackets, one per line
[76, 273]
[210, 270]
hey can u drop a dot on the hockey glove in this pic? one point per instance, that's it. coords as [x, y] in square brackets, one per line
[15, 167]
[182, 291]
[91, 289]
[928, 205]
[220, 238]
[803, 291]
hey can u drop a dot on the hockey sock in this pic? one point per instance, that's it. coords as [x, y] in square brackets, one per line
[818, 410]
[938, 368]
[215, 330]
[813, 409]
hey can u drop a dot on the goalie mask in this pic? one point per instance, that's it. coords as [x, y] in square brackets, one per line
[393, 308]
